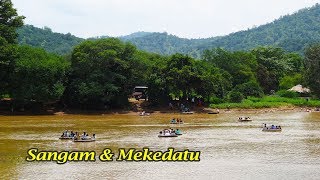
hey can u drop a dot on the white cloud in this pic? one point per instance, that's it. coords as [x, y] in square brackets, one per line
[184, 18]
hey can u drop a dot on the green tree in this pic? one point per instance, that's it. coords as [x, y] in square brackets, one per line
[250, 88]
[214, 82]
[101, 74]
[272, 66]
[9, 22]
[240, 65]
[181, 75]
[38, 76]
[235, 96]
[289, 81]
[312, 68]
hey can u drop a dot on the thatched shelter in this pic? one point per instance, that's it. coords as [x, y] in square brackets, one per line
[300, 89]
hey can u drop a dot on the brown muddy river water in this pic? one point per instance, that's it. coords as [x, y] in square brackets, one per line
[229, 149]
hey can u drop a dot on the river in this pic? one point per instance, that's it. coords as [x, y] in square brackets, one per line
[229, 149]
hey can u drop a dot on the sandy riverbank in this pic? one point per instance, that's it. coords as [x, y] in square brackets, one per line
[197, 110]
[155, 110]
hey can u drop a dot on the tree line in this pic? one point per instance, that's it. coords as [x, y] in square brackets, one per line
[101, 74]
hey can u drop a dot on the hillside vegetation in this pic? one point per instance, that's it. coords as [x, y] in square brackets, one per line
[291, 32]
[44, 38]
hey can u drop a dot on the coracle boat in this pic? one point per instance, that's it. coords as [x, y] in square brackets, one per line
[66, 138]
[144, 114]
[271, 128]
[244, 119]
[84, 138]
[167, 133]
[174, 121]
[67, 135]
[178, 132]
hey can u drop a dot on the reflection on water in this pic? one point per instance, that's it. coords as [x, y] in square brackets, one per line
[229, 149]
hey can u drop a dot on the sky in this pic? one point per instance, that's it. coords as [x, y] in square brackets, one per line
[184, 18]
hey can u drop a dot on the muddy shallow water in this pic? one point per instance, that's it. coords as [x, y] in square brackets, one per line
[229, 149]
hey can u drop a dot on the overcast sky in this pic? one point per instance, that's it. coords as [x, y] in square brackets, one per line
[184, 18]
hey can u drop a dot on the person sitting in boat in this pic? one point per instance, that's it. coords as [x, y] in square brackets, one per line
[166, 131]
[173, 131]
[272, 126]
[65, 134]
[76, 136]
[83, 135]
[86, 137]
[173, 121]
[94, 136]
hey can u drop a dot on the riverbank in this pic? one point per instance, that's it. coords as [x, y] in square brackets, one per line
[199, 110]
[250, 105]
[163, 110]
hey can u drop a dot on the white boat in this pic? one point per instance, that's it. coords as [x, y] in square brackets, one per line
[271, 130]
[244, 119]
[65, 138]
[144, 114]
[84, 139]
[167, 133]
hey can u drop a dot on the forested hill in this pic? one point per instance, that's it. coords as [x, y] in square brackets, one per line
[292, 32]
[44, 37]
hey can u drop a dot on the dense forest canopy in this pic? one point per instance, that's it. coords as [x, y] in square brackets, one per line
[291, 32]
[100, 73]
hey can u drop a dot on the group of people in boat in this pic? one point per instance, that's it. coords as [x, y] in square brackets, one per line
[170, 131]
[76, 136]
[244, 118]
[272, 127]
[67, 134]
[143, 113]
[176, 121]
[84, 136]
